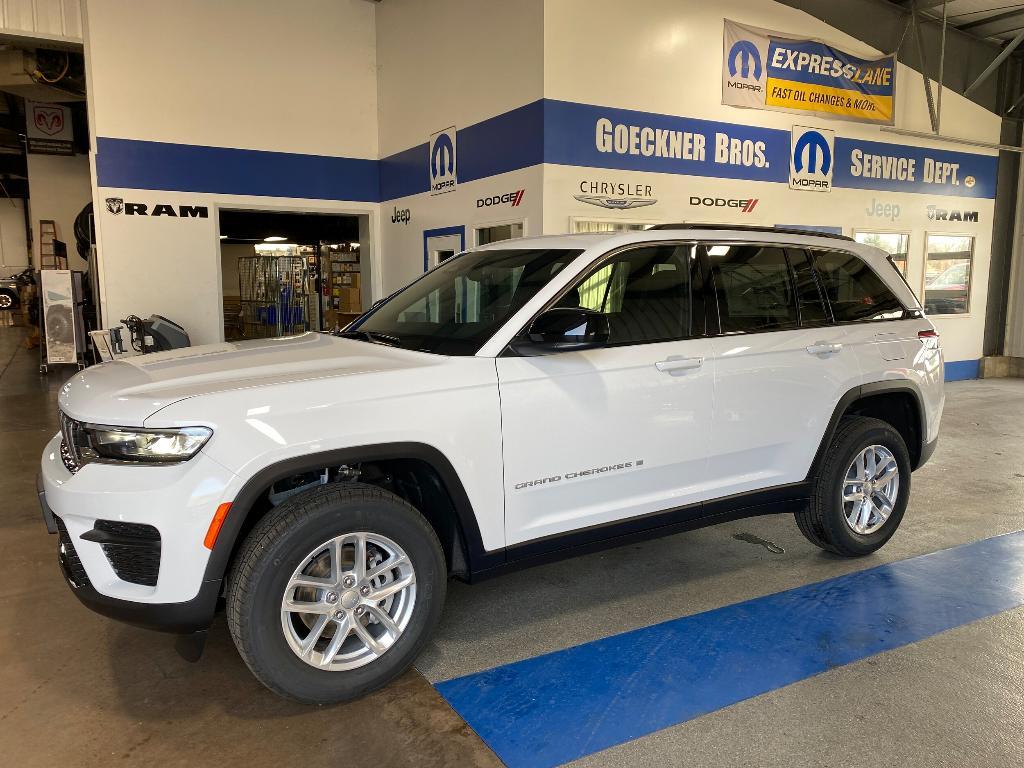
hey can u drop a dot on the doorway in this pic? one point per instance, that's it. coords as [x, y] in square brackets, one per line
[284, 272]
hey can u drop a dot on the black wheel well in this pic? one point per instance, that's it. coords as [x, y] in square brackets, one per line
[415, 480]
[900, 409]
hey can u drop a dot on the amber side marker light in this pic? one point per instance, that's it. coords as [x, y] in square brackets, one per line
[215, 525]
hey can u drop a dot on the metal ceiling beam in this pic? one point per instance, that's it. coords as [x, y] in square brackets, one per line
[1001, 23]
[1003, 56]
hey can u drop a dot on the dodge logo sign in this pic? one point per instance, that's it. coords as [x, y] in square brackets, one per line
[115, 205]
[746, 205]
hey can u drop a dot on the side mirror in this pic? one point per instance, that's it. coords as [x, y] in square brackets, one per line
[565, 330]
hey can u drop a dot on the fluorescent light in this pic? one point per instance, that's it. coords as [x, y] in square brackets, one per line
[223, 237]
[274, 239]
[354, 245]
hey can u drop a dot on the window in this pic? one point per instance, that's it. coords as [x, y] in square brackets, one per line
[755, 289]
[590, 225]
[896, 244]
[644, 292]
[485, 235]
[457, 307]
[808, 297]
[947, 277]
[854, 290]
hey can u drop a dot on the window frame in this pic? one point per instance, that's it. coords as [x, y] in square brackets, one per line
[924, 272]
[905, 233]
[711, 294]
[696, 288]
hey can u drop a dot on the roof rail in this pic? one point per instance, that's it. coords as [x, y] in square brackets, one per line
[752, 228]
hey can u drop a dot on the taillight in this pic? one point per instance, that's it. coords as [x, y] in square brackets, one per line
[931, 333]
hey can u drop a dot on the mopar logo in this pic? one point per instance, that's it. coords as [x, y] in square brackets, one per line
[515, 198]
[746, 205]
[117, 205]
[942, 214]
[443, 167]
[813, 146]
[810, 164]
[745, 53]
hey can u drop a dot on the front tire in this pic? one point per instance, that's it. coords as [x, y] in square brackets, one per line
[861, 491]
[335, 592]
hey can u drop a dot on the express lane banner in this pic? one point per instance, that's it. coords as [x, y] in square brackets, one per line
[762, 69]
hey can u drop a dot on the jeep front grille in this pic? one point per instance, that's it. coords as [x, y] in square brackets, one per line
[71, 436]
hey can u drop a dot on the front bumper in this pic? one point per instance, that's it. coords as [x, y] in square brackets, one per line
[178, 501]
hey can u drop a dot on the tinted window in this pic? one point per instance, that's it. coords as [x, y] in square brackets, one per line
[808, 297]
[853, 289]
[755, 292]
[644, 292]
[457, 307]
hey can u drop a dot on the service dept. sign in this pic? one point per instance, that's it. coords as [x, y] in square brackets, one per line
[762, 69]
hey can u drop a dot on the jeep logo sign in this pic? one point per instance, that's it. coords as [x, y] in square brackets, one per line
[810, 164]
[401, 216]
[443, 167]
[117, 205]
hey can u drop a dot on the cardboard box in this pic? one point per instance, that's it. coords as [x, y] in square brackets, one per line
[348, 299]
[349, 280]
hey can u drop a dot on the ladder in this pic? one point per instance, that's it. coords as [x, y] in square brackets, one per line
[52, 253]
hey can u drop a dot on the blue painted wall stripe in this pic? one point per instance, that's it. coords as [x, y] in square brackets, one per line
[561, 706]
[959, 370]
[544, 131]
[188, 168]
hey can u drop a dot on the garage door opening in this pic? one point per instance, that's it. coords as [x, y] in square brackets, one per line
[284, 273]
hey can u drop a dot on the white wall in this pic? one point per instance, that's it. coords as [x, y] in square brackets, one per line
[454, 62]
[59, 187]
[287, 77]
[263, 74]
[665, 56]
[13, 242]
[56, 20]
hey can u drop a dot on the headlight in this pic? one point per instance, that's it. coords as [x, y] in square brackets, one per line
[150, 445]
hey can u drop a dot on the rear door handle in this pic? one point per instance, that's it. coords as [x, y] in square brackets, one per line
[824, 348]
[673, 364]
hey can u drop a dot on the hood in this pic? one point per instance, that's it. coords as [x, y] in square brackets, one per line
[127, 391]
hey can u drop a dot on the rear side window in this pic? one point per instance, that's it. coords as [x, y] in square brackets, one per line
[754, 287]
[808, 297]
[853, 289]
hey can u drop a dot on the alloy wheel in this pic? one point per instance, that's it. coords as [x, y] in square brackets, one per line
[349, 601]
[870, 489]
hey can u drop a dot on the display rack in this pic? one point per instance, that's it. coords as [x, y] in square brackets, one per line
[273, 294]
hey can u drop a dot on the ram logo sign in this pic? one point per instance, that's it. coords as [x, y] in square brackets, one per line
[810, 165]
[442, 161]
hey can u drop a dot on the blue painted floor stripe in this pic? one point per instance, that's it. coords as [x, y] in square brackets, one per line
[561, 706]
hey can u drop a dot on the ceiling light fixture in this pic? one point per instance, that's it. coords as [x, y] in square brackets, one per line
[274, 239]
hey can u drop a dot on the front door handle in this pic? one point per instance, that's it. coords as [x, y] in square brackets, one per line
[824, 348]
[673, 364]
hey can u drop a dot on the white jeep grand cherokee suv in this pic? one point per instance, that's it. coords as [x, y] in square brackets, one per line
[517, 403]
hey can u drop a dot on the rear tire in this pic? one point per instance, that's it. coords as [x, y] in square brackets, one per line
[315, 538]
[860, 493]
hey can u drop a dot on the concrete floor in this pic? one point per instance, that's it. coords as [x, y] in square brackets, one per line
[79, 689]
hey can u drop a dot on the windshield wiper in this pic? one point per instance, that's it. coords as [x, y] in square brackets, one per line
[374, 337]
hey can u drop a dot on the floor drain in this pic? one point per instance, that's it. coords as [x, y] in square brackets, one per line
[750, 538]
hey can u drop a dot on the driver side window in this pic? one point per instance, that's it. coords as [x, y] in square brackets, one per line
[644, 292]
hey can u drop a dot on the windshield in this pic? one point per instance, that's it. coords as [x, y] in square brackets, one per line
[456, 308]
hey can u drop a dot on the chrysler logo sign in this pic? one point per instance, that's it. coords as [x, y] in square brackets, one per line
[615, 195]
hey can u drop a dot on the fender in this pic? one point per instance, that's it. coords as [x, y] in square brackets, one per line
[256, 486]
[866, 390]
